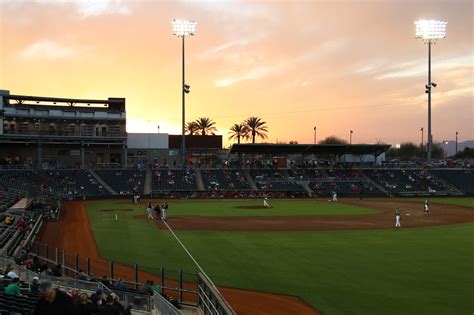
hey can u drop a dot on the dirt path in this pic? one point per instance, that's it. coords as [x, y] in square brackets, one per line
[73, 233]
[412, 216]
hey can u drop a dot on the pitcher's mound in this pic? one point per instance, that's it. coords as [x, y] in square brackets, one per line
[251, 207]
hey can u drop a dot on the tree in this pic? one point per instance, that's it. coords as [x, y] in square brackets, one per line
[467, 153]
[256, 127]
[333, 140]
[238, 131]
[191, 128]
[206, 125]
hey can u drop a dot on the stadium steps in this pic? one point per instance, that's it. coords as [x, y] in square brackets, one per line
[305, 185]
[199, 180]
[147, 185]
[373, 182]
[103, 182]
[249, 178]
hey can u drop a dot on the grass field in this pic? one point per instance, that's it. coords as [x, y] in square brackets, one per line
[412, 271]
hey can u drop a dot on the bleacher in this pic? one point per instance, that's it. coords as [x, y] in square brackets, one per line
[461, 179]
[344, 188]
[124, 182]
[69, 184]
[274, 180]
[224, 180]
[11, 304]
[174, 180]
[404, 181]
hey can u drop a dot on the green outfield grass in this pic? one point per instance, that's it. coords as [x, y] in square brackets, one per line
[457, 201]
[407, 271]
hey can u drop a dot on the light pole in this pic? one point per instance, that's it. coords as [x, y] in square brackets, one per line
[456, 149]
[183, 28]
[421, 129]
[314, 134]
[430, 31]
[350, 137]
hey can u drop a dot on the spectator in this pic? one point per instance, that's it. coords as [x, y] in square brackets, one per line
[57, 271]
[97, 297]
[13, 288]
[105, 281]
[109, 308]
[85, 306]
[54, 302]
[117, 303]
[146, 288]
[120, 285]
[82, 276]
[11, 273]
[34, 287]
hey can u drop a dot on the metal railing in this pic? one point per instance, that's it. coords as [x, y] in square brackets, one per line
[211, 301]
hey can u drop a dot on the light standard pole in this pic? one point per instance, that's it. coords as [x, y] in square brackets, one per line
[314, 134]
[430, 31]
[421, 129]
[350, 136]
[456, 150]
[183, 28]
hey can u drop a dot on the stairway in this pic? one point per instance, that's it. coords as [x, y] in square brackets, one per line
[102, 182]
[370, 180]
[250, 180]
[147, 183]
[199, 181]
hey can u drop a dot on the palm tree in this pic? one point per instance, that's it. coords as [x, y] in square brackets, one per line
[256, 127]
[238, 131]
[191, 128]
[206, 125]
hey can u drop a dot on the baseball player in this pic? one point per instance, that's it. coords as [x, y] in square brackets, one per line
[334, 196]
[164, 211]
[149, 211]
[426, 207]
[397, 217]
[265, 202]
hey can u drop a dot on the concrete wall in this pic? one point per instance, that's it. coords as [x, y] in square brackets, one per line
[147, 141]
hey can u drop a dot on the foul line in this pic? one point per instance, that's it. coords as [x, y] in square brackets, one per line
[191, 256]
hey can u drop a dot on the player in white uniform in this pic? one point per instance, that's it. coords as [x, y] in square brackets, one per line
[265, 202]
[164, 211]
[149, 211]
[397, 217]
[426, 207]
[334, 196]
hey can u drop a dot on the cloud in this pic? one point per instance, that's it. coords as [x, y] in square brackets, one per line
[47, 49]
[253, 74]
[418, 67]
[92, 8]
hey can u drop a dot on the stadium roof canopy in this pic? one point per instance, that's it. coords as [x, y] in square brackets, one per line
[317, 149]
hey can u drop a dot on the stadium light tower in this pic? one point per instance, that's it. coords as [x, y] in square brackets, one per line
[183, 28]
[430, 31]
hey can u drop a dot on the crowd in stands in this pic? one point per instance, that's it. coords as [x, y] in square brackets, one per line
[224, 180]
[404, 181]
[168, 179]
[124, 182]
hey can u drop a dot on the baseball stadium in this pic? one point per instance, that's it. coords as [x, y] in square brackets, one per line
[96, 219]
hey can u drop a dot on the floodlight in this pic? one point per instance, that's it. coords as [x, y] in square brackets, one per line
[183, 27]
[430, 30]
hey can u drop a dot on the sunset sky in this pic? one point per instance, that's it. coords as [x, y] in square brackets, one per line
[337, 65]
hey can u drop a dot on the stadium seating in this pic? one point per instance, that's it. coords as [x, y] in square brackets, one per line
[344, 188]
[268, 180]
[70, 184]
[224, 180]
[124, 182]
[179, 180]
[461, 179]
[403, 181]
